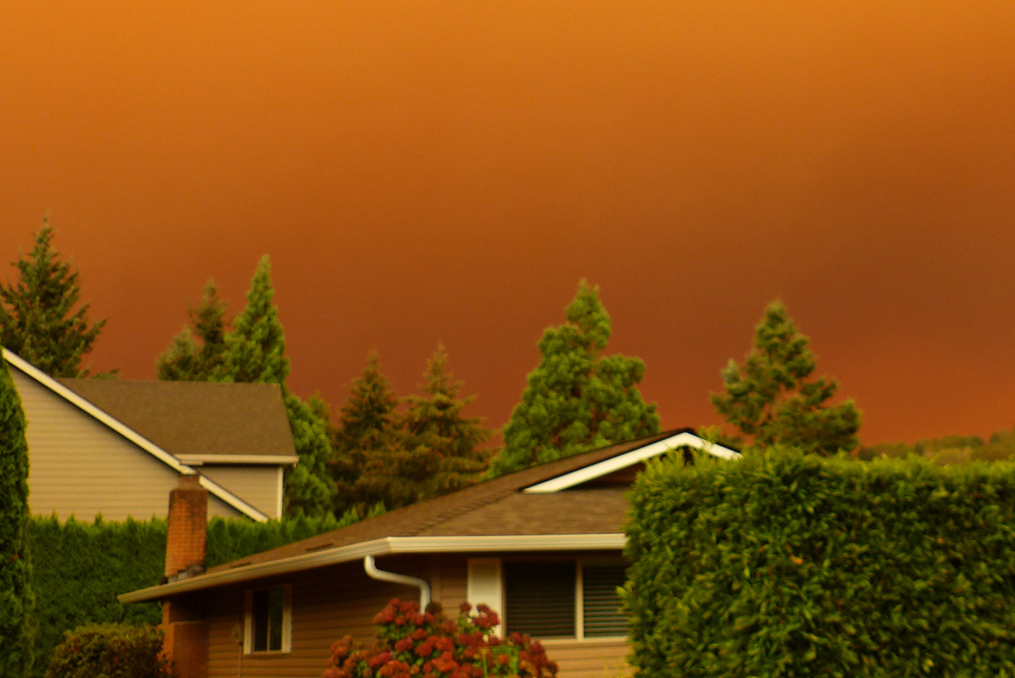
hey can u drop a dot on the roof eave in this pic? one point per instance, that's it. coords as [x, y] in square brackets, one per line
[381, 547]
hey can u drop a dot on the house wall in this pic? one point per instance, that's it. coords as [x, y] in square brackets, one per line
[78, 466]
[327, 604]
[332, 602]
[257, 484]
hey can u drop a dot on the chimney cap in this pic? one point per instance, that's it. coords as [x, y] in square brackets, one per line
[190, 481]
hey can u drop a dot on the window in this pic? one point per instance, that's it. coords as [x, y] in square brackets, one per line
[268, 624]
[539, 598]
[554, 598]
[601, 615]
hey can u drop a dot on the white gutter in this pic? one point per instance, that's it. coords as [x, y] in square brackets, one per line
[370, 567]
[130, 434]
[381, 547]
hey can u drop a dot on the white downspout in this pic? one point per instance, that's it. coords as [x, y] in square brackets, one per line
[424, 588]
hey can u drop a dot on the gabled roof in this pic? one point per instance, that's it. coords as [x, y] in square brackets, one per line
[496, 515]
[130, 434]
[199, 422]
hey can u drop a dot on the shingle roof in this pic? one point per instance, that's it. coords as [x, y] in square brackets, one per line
[494, 507]
[188, 418]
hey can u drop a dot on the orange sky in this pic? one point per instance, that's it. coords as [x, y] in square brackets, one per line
[448, 170]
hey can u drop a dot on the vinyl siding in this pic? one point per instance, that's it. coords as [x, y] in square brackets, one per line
[327, 604]
[257, 484]
[80, 467]
[332, 602]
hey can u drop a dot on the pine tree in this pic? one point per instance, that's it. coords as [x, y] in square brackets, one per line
[188, 360]
[770, 399]
[576, 399]
[255, 353]
[38, 320]
[17, 600]
[363, 433]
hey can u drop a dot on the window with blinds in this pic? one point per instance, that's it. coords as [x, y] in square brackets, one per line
[600, 602]
[539, 598]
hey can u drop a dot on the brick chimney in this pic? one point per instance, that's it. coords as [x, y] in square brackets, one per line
[188, 528]
[184, 621]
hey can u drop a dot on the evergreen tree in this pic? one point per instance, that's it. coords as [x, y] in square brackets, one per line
[433, 423]
[366, 424]
[576, 399]
[255, 353]
[17, 600]
[255, 349]
[188, 360]
[38, 320]
[770, 399]
[429, 450]
[309, 488]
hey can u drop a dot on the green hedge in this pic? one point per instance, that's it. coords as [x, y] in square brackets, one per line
[81, 567]
[789, 565]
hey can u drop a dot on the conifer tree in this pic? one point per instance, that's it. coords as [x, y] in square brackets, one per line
[196, 354]
[429, 450]
[363, 432]
[255, 353]
[576, 399]
[38, 320]
[770, 399]
[435, 426]
[255, 349]
[17, 600]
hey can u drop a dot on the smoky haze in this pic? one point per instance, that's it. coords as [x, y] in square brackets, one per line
[448, 171]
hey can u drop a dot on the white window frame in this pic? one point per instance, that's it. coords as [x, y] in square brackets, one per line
[579, 597]
[287, 621]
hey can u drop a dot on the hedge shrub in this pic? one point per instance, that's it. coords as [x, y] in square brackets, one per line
[81, 567]
[431, 645]
[789, 565]
[109, 651]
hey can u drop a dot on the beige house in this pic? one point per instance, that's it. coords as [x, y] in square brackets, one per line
[541, 546]
[117, 448]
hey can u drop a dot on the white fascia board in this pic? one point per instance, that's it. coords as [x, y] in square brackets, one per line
[246, 459]
[130, 434]
[382, 547]
[607, 466]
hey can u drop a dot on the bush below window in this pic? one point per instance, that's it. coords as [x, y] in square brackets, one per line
[431, 645]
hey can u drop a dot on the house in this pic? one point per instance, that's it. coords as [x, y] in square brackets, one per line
[117, 448]
[542, 546]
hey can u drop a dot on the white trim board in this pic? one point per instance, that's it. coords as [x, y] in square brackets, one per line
[621, 461]
[253, 459]
[381, 547]
[130, 434]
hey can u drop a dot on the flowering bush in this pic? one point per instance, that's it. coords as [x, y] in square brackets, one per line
[430, 645]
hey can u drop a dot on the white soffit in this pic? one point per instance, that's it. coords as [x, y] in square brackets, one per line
[621, 461]
[130, 434]
[380, 547]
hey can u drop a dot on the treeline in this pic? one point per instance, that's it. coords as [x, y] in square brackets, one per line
[948, 449]
[376, 448]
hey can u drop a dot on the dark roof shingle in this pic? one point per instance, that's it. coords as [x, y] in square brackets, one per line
[494, 507]
[196, 418]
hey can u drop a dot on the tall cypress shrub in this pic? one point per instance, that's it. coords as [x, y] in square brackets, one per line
[17, 601]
